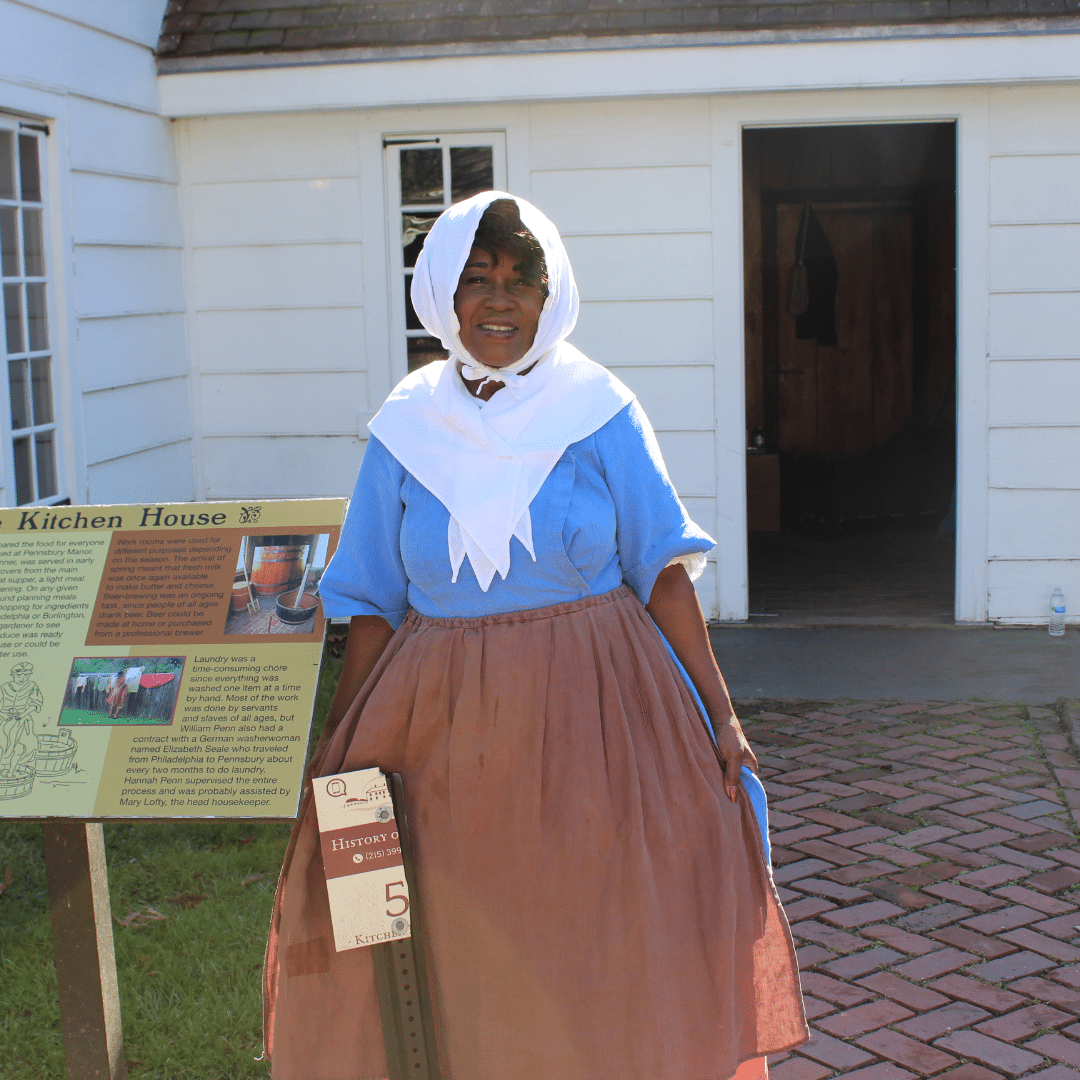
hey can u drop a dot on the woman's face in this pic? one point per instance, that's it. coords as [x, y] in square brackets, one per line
[497, 308]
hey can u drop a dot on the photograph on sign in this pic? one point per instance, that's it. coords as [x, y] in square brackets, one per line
[122, 690]
[160, 661]
[276, 586]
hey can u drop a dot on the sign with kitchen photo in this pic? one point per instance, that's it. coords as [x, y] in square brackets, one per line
[160, 661]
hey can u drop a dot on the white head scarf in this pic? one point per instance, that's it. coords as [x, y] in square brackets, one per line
[486, 464]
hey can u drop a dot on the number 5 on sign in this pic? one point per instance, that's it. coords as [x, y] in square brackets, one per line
[402, 896]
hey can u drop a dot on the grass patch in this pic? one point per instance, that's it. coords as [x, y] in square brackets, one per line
[190, 986]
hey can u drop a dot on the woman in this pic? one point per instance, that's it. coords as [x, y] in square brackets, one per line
[116, 698]
[596, 898]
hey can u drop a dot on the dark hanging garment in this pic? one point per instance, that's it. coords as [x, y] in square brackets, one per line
[813, 251]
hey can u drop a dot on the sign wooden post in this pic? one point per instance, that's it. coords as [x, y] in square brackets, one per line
[83, 950]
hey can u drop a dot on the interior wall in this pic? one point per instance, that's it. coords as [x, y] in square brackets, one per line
[882, 162]
[864, 422]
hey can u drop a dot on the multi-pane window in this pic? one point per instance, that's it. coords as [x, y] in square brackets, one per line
[32, 437]
[424, 176]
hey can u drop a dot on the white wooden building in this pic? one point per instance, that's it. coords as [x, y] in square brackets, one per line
[225, 271]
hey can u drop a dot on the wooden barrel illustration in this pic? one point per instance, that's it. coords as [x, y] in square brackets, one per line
[56, 753]
[16, 782]
[239, 595]
[277, 568]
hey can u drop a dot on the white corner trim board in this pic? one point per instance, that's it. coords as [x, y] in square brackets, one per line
[808, 65]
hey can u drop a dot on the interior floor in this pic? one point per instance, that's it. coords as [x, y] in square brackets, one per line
[882, 574]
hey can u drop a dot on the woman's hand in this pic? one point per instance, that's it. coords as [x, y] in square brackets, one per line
[674, 608]
[734, 752]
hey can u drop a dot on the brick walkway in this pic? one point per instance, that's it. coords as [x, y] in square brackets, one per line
[926, 857]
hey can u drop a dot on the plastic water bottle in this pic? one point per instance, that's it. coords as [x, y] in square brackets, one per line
[1057, 612]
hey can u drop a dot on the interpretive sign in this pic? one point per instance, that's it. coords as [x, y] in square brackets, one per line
[160, 661]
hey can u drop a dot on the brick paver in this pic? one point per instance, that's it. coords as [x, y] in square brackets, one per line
[926, 855]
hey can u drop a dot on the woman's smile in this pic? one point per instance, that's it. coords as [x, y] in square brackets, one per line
[497, 308]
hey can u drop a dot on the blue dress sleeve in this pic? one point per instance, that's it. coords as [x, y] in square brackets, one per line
[366, 575]
[652, 525]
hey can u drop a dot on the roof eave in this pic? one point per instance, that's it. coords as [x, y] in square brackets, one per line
[281, 58]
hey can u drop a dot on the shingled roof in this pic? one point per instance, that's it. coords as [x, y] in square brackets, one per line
[205, 28]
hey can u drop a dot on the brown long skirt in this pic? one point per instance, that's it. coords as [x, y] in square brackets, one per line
[595, 907]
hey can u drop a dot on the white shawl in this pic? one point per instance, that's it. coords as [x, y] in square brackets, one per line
[485, 462]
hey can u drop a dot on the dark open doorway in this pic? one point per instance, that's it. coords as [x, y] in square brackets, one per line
[850, 264]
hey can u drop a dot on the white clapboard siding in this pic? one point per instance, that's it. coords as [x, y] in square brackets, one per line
[162, 474]
[131, 349]
[282, 467]
[108, 139]
[1024, 524]
[1035, 257]
[309, 275]
[703, 511]
[296, 339]
[620, 333]
[646, 266]
[1035, 188]
[292, 404]
[1035, 325]
[117, 281]
[128, 419]
[93, 63]
[120, 210]
[1021, 590]
[674, 398]
[1041, 392]
[676, 199]
[136, 20]
[604, 134]
[1036, 457]
[274, 147]
[275, 212]
[1034, 120]
[690, 457]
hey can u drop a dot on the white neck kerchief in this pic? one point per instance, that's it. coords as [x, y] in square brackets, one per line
[485, 465]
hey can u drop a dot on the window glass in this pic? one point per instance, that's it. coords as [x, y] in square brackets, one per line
[33, 244]
[414, 227]
[41, 385]
[423, 350]
[7, 165]
[9, 240]
[412, 320]
[20, 410]
[24, 476]
[13, 318]
[471, 171]
[46, 464]
[29, 176]
[421, 176]
[36, 319]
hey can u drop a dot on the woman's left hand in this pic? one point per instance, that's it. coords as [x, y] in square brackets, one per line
[734, 752]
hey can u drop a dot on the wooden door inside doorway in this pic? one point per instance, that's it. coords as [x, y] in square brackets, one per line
[848, 399]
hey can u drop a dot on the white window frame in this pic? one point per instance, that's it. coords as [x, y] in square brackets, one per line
[8, 433]
[393, 144]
